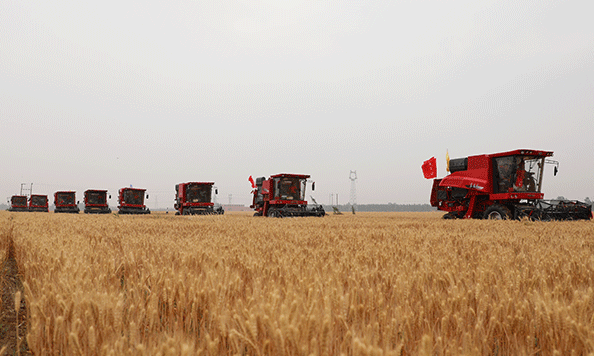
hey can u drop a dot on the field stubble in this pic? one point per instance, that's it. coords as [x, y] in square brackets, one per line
[365, 284]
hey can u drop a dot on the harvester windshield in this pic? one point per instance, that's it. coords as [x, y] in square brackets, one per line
[96, 197]
[19, 200]
[517, 173]
[198, 193]
[134, 197]
[65, 198]
[291, 188]
[38, 200]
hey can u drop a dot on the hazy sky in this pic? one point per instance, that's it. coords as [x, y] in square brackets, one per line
[106, 94]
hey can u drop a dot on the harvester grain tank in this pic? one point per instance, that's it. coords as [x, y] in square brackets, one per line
[18, 203]
[505, 185]
[283, 195]
[131, 201]
[195, 198]
[65, 202]
[96, 202]
[38, 202]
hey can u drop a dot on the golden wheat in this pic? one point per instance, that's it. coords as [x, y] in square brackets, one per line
[368, 284]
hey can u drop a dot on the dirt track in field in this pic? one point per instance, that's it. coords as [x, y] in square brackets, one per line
[13, 327]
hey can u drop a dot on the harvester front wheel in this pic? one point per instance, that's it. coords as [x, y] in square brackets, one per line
[497, 212]
[449, 216]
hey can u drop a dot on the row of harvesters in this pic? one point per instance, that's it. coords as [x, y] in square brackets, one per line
[281, 195]
[505, 185]
[95, 202]
[190, 198]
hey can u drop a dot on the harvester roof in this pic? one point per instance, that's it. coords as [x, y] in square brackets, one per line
[526, 152]
[290, 175]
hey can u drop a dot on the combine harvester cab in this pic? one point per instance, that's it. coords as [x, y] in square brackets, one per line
[283, 195]
[65, 202]
[504, 185]
[195, 198]
[18, 203]
[96, 202]
[131, 201]
[38, 202]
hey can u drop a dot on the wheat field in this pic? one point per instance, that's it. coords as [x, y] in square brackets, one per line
[365, 284]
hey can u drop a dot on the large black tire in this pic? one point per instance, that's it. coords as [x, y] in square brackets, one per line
[497, 212]
[274, 214]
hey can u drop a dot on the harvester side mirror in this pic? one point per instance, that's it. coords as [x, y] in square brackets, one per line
[109, 196]
[216, 191]
[313, 186]
[555, 170]
[78, 202]
[147, 196]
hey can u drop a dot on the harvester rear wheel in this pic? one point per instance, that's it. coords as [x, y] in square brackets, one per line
[497, 212]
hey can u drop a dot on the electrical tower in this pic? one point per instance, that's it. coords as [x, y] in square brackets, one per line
[353, 177]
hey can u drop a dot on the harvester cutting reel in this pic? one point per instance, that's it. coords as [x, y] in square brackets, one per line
[547, 210]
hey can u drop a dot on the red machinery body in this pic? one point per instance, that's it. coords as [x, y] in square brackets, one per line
[283, 195]
[96, 202]
[65, 202]
[38, 202]
[195, 198]
[18, 203]
[501, 185]
[131, 201]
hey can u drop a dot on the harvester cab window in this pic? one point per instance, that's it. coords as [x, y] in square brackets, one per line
[503, 173]
[291, 188]
[38, 200]
[19, 200]
[198, 193]
[65, 199]
[96, 198]
[528, 174]
[517, 174]
[134, 197]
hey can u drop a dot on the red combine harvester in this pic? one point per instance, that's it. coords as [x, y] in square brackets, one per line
[96, 202]
[18, 203]
[131, 201]
[195, 198]
[65, 202]
[504, 185]
[38, 202]
[283, 195]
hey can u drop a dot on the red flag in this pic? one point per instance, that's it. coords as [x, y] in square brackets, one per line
[252, 181]
[430, 168]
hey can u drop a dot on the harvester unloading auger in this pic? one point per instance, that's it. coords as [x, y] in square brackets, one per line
[504, 185]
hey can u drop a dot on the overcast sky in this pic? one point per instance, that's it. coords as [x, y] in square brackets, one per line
[108, 94]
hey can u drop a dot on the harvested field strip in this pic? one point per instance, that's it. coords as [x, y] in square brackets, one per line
[385, 284]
